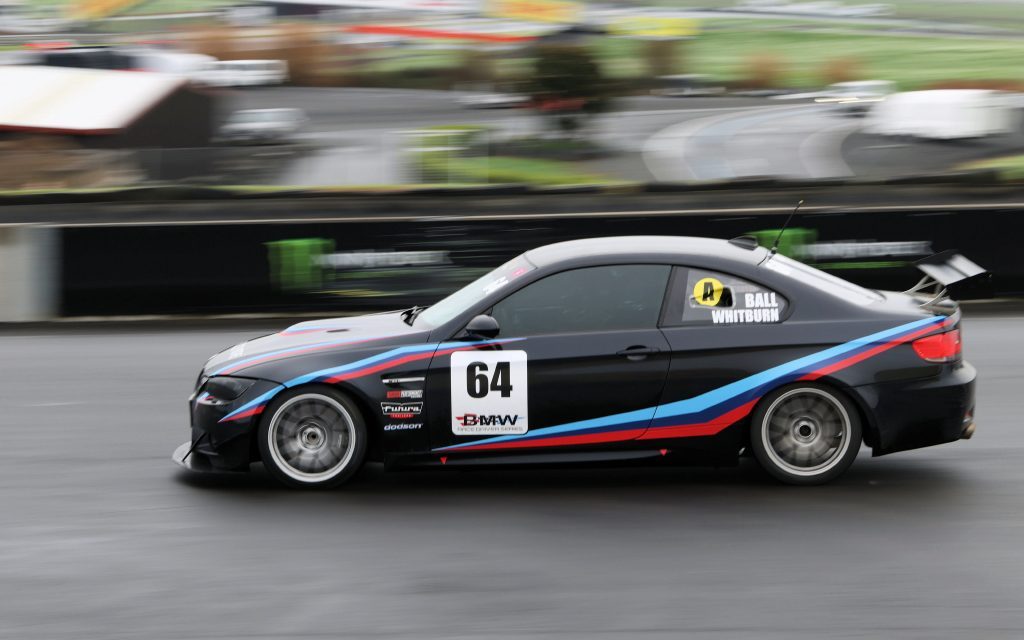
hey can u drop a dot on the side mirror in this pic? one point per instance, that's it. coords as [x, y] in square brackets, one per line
[482, 326]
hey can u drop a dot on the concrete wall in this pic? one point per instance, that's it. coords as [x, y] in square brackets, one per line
[29, 273]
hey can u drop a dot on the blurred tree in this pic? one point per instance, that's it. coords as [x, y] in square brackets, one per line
[840, 70]
[476, 68]
[568, 87]
[305, 47]
[662, 57]
[764, 71]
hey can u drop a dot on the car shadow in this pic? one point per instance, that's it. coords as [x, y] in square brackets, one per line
[886, 480]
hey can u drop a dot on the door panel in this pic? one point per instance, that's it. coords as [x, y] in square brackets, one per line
[722, 330]
[584, 389]
[594, 359]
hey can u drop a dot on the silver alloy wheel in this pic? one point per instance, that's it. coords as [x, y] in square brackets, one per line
[806, 431]
[311, 438]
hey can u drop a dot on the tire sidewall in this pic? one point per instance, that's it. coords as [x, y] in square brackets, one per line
[780, 473]
[359, 429]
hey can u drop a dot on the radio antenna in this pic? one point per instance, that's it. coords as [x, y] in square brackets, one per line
[778, 238]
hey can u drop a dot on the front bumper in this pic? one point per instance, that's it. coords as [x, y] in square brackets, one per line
[922, 413]
[195, 461]
[220, 442]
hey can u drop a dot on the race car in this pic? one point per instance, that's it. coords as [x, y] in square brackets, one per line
[670, 350]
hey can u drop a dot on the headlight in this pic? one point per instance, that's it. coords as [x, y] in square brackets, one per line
[225, 389]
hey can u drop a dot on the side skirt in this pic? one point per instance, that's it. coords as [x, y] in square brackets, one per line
[635, 457]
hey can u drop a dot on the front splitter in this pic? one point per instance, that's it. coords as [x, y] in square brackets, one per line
[196, 461]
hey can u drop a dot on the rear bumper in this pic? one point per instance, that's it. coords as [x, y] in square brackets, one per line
[922, 413]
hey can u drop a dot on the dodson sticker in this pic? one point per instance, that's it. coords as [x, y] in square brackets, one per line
[489, 393]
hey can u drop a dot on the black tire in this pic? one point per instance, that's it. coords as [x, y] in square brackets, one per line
[312, 438]
[805, 433]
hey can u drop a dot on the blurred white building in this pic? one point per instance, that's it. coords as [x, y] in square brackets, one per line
[945, 114]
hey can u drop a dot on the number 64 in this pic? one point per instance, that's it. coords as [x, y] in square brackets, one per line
[478, 385]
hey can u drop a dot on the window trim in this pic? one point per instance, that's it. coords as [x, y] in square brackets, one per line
[682, 272]
[657, 321]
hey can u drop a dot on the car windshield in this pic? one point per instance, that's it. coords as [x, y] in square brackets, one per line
[824, 281]
[456, 303]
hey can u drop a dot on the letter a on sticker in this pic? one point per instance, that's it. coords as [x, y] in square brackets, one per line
[708, 292]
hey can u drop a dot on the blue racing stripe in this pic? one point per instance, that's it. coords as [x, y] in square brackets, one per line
[282, 352]
[360, 364]
[252, 404]
[709, 405]
[799, 366]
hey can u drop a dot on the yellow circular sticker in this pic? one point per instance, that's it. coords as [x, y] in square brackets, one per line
[708, 292]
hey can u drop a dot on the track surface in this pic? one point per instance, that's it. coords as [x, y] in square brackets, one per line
[102, 537]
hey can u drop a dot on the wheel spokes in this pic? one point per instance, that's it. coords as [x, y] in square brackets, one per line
[806, 430]
[312, 437]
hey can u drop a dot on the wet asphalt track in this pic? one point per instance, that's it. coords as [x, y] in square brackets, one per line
[102, 537]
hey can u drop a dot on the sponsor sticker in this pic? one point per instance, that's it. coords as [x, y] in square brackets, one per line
[390, 381]
[393, 394]
[757, 307]
[737, 316]
[761, 300]
[403, 426]
[489, 393]
[708, 292]
[491, 287]
[401, 409]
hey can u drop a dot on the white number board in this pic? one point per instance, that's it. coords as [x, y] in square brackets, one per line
[489, 393]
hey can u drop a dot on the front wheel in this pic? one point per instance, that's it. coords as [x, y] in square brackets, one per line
[312, 437]
[805, 434]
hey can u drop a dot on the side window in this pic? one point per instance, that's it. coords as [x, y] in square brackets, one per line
[590, 299]
[699, 296]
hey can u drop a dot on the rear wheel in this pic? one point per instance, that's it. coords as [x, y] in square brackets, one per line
[805, 434]
[312, 437]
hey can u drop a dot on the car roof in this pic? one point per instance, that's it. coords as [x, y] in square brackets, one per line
[619, 247]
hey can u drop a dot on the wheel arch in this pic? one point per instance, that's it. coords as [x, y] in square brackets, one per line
[373, 419]
[869, 426]
[362, 402]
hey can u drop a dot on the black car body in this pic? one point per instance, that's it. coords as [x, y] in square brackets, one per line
[630, 348]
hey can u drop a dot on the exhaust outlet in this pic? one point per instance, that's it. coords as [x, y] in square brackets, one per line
[967, 432]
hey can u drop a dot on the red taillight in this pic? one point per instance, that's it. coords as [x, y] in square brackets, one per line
[941, 347]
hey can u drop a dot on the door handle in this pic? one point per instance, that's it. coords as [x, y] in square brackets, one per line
[637, 352]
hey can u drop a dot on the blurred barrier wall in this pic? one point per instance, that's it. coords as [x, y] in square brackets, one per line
[29, 273]
[370, 263]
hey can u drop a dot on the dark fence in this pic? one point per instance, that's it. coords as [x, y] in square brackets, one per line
[390, 263]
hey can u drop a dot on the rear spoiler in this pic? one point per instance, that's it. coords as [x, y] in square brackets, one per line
[950, 275]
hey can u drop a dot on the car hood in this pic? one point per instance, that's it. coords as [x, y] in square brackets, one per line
[316, 337]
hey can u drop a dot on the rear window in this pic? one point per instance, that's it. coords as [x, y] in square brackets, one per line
[820, 280]
[700, 296]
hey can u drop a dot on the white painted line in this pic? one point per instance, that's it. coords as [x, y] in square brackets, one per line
[665, 153]
[665, 112]
[836, 208]
[821, 153]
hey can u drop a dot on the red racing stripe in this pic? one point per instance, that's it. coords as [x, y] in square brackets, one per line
[358, 373]
[255, 411]
[440, 34]
[874, 351]
[560, 441]
[709, 428]
[288, 354]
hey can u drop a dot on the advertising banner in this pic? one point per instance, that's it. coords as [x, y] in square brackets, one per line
[552, 11]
